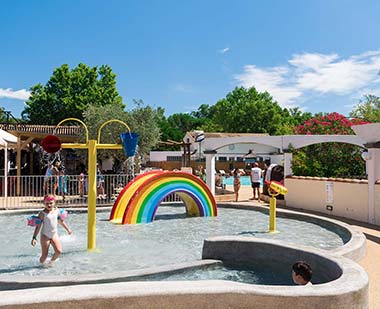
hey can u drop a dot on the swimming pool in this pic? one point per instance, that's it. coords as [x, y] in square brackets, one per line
[245, 180]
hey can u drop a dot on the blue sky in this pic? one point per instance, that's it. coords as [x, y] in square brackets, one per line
[319, 55]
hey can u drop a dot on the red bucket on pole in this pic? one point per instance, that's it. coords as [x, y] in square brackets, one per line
[51, 143]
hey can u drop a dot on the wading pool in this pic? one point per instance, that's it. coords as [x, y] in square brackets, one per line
[171, 238]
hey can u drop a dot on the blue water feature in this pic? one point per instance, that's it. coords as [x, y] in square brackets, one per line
[245, 180]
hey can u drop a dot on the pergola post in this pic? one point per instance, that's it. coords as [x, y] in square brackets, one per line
[373, 171]
[210, 169]
[288, 157]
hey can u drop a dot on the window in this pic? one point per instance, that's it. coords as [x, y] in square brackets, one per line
[173, 158]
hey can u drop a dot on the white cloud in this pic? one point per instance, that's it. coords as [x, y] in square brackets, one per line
[313, 74]
[328, 74]
[224, 50]
[9, 93]
[273, 80]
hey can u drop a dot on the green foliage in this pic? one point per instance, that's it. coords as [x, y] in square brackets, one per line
[368, 109]
[141, 119]
[248, 111]
[328, 159]
[3, 115]
[144, 120]
[205, 122]
[176, 125]
[68, 93]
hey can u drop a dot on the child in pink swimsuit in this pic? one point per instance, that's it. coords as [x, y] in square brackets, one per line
[49, 233]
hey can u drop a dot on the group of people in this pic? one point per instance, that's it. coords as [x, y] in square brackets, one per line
[256, 177]
[55, 180]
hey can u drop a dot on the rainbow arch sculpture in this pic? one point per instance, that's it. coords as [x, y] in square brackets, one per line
[139, 200]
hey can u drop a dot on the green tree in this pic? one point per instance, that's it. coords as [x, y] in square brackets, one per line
[204, 114]
[68, 93]
[3, 115]
[328, 159]
[144, 119]
[141, 119]
[368, 109]
[248, 111]
[7, 117]
[176, 125]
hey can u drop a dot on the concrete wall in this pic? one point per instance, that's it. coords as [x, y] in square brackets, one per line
[348, 290]
[344, 283]
[377, 201]
[348, 197]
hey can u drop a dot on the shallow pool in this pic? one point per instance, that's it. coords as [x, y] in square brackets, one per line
[245, 180]
[171, 238]
[255, 273]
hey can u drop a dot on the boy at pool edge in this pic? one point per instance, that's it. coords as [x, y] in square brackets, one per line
[49, 217]
[302, 273]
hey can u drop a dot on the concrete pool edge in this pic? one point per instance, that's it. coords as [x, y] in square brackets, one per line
[345, 279]
[20, 282]
[348, 290]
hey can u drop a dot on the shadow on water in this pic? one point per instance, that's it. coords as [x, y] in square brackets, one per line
[170, 216]
[163, 217]
[20, 268]
[252, 233]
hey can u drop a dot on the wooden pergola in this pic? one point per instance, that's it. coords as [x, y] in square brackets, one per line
[26, 134]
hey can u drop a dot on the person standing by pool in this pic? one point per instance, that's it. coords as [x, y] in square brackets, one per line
[237, 183]
[301, 273]
[100, 183]
[62, 183]
[50, 217]
[256, 175]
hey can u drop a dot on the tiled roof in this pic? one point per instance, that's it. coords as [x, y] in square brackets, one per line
[223, 135]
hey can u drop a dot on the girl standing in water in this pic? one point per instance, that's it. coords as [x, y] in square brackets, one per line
[50, 217]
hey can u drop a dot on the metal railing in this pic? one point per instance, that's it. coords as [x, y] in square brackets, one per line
[70, 190]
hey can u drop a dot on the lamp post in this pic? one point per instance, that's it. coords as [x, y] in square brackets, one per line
[199, 137]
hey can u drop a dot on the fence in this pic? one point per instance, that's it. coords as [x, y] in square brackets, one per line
[71, 190]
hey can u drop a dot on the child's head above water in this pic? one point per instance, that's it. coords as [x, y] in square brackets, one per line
[302, 273]
[49, 200]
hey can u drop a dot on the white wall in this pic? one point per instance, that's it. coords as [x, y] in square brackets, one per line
[349, 197]
[159, 156]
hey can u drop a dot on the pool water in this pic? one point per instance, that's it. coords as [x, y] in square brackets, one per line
[244, 180]
[171, 238]
[255, 273]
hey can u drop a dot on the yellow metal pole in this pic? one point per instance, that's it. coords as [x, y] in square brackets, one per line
[92, 146]
[272, 215]
[91, 239]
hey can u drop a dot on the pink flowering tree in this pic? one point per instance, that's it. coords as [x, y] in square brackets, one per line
[328, 159]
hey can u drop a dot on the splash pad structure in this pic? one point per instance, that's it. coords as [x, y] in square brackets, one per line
[52, 144]
[139, 200]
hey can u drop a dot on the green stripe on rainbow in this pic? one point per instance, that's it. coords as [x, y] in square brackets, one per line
[138, 202]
